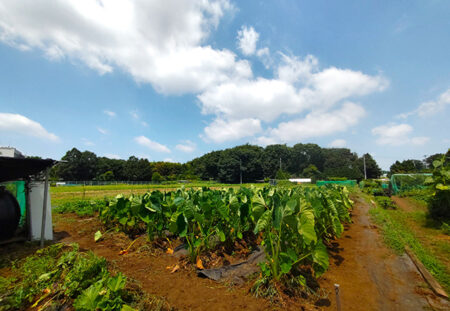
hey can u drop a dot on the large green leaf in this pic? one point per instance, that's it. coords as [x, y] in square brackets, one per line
[264, 221]
[306, 226]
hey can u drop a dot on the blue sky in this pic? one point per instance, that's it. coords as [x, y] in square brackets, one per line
[172, 80]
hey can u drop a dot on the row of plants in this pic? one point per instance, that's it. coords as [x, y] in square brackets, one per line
[60, 276]
[80, 207]
[293, 224]
[380, 194]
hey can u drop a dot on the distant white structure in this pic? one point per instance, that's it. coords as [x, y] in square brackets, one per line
[10, 152]
[300, 180]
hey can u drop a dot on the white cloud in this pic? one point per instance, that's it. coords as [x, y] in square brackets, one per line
[161, 43]
[169, 160]
[109, 113]
[430, 108]
[299, 86]
[397, 135]
[87, 142]
[338, 143]
[221, 130]
[144, 124]
[165, 44]
[315, 124]
[153, 145]
[264, 55]
[102, 131]
[247, 38]
[112, 156]
[19, 124]
[187, 146]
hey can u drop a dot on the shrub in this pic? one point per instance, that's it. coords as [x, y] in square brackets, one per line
[439, 206]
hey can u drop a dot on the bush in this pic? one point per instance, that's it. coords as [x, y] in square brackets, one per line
[439, 206]
[385, 202]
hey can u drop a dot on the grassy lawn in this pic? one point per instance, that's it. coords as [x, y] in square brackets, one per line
[412, 228]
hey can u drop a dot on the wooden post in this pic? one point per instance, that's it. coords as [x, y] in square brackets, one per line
[44, 208]
[338, 298]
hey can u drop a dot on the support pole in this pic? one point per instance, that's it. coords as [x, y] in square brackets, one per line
[240, 170]
[365, 173]
[44, 207]
[28, 209]
[338, 298]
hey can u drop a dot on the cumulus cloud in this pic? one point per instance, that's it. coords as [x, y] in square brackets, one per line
[315, 124]
[19, 124]
[397, 135]
[299, 86]
[165, 44]
[152, 145]
[162, 43]
[187, 146]
[109, 113]
[264, 55]
[430, 108]
[247, 38]
[228, 130]
[338, 143]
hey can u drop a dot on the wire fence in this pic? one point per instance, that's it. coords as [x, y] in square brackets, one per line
[110, 182]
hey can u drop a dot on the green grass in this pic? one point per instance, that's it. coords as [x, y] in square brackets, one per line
[397, 234]
[81, 189]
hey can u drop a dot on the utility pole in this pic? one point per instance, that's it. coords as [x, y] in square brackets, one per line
[365, 173]
[240, 170]
[280, 164]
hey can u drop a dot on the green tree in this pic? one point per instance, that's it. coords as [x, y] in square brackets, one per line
[372, 168]
[156, 177]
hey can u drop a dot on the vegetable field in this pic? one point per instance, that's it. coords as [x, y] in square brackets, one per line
[293, 225]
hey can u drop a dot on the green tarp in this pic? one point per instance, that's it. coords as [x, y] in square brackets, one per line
[17, 188]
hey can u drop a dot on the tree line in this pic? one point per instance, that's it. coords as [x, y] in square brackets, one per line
[249, 162]
[416, 166]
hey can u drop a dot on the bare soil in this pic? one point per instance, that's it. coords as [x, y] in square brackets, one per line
[371, 277]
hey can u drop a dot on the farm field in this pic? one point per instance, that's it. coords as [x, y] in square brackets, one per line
[69, 193]
[370, 274]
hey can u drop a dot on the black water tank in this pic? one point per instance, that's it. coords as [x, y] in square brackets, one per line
[9, 214]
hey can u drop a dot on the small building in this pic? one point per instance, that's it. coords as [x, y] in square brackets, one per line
[10, 152]
[300, 180]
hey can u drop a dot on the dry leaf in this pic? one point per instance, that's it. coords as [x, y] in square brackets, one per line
[169, 251]
[123, 252]
[175, 269]
[199, 264]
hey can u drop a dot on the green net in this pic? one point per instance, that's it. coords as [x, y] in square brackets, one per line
[336, 182]
[404, 182]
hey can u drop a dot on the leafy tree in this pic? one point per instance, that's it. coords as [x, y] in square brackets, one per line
[312, 172]
[78, 165]
[407, 166]
[372, 168]
[156, 177]
[138, 169]
[271, 159]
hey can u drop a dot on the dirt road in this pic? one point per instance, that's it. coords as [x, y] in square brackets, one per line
[372, 277]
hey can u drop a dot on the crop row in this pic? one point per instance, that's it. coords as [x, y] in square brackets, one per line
[294, 223]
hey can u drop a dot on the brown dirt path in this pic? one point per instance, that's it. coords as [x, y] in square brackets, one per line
[371, 277]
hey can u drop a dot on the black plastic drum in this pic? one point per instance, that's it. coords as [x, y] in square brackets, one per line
[9, 214]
